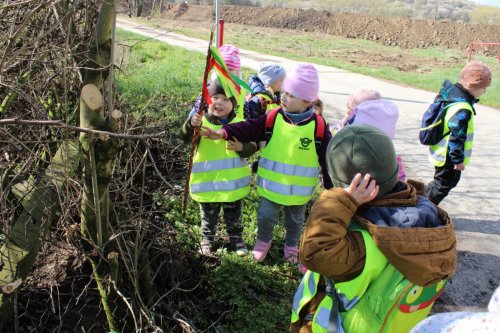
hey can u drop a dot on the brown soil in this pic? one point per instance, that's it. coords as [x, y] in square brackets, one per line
[392, 31]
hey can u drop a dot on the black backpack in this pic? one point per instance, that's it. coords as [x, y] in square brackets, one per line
[431, 128]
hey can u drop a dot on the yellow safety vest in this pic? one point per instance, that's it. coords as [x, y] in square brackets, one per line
[218, 174]
[438, 151]
[380, 299]
[240, 100]
[288, 166]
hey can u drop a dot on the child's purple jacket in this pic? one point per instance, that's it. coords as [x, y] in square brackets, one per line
[255, 130]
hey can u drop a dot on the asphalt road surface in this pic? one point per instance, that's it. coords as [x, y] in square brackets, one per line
[473, 205]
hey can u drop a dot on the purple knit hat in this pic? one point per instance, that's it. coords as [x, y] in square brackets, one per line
[303, 82]
[231, 56]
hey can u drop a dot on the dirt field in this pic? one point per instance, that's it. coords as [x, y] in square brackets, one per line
[391, 31]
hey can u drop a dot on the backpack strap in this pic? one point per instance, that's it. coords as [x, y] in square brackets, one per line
[271, 118]
[319, 132]
[337, 306]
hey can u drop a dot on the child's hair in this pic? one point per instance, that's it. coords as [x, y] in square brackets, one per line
[270, 72]
[318, 106]
[214, 88]
[361, 96]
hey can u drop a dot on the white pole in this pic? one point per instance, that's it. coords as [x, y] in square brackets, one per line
[217, 18]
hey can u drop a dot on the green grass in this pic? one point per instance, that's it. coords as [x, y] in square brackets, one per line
[158, 82]
[433, 65]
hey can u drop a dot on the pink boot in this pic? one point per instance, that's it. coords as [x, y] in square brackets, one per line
[291, 254]
[260, 250]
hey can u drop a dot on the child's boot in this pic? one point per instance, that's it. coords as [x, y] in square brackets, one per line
[260, 250]
[291, 254]
[205, 247]
[240, 246]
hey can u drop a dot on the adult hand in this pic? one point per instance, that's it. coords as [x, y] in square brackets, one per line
[459, 167]
[196, 120]
[363, 190]
[211, 133]
[234, 145]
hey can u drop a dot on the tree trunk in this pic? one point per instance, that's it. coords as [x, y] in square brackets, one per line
[24, 239]
[138, 7]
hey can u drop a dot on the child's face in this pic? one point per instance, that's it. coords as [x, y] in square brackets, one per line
[276, 86]
[221, 106]
[477, 92]
[293, 104]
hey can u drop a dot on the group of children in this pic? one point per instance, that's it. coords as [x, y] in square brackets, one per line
[368, 223]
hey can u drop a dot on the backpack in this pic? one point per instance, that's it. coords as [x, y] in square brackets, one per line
[432, 125]
[319, 131]
[263, 102]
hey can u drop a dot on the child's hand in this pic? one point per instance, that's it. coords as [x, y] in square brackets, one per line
[459, 167]
[211, 133]
[234, 145]
[196, 120]
[364, 191]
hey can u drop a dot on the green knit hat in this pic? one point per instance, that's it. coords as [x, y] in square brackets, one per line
[362, 149]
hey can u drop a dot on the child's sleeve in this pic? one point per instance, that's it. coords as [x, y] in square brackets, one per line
[249, 148]
[248, 130]
[187, 130]
[326, 245]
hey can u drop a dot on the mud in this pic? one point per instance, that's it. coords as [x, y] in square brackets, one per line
[391, 31]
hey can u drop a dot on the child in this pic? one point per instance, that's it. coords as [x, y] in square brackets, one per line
[220, 176]
[453, 152]
[353, 101]
[464, 322]
[266, 90]
[368, 108]
[289, 164]
[377, 251]
[231, 56]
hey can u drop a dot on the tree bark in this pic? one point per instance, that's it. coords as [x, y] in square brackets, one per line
[24, 239]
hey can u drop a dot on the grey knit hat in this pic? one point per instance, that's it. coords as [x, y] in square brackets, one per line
[362, 149]
[270, 72]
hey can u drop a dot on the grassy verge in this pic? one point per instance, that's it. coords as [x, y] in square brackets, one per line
[159, 83]
[427, 67]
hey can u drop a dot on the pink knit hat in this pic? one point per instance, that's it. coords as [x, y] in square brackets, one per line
[231, 56]
[380, 113]
[303, 82]
[360, 96]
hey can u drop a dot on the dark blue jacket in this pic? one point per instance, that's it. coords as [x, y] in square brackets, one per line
[253, 108]
[450, 93]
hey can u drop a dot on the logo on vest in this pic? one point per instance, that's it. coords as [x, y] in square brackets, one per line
[305, 142]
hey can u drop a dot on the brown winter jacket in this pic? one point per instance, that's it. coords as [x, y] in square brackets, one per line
[423, 255]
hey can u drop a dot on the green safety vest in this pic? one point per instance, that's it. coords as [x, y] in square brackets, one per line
[438, 151]
[288, 166]
[218, 174]
[380, 299]
[267, 101]
[240, 100]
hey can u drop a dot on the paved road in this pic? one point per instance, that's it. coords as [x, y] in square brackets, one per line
[474, 204]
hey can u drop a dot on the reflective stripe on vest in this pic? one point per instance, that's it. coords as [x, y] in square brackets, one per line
[218, 174]
[288, 167]
[439, 151]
